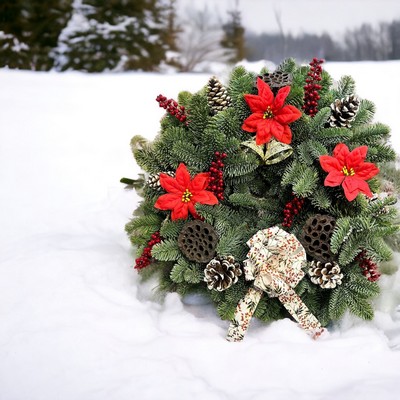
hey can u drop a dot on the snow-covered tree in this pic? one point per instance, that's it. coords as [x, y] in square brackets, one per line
[116, 35]
[30, 31]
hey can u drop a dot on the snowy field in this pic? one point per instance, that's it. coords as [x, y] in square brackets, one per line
[75, 325]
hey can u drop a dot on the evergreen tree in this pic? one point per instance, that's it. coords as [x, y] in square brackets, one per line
[234, 39]
[115, 35]
[31, 30]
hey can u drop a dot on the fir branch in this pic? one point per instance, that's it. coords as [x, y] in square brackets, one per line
[346, 86]
[226, 310]
[233, 242]
[337, 303]
[342, 231]
[198, 115]
[365, 113]
[171, 229]
[193, 274]
[370, 134]
[144, 225]
[167, 250]
[177, 274]
[320, 199]
[350, 250]
[269, 309]
[318, 122]
[360, 307]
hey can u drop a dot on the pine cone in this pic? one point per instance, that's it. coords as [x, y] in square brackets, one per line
[221, 273]
[197, 241]
[316, 237]
[277, 80]
[153, 181]
[343, 112]
[327, 275]
[217, 95]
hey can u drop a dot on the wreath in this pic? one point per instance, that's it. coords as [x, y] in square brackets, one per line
[265, 195]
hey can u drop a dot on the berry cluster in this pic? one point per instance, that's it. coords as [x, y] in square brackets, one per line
[292, 208]
[312, 87]
[216, 184]
[172, 107]
[145, 259]
[369, 268]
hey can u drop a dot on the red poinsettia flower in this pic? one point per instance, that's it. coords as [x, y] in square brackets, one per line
[184, 193]
[270, 117]
[347, 168]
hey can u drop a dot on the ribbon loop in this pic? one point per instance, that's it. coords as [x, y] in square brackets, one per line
[274, 262]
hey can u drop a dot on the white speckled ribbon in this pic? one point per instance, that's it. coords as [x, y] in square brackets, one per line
[275, 262]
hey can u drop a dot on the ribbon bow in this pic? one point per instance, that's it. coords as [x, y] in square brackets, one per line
[274, 262]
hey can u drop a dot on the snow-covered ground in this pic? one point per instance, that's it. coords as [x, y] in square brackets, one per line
[74, 322]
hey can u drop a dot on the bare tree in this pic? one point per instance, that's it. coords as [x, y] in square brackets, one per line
[200, 39]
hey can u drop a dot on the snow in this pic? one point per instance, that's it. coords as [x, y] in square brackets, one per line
[76, 324]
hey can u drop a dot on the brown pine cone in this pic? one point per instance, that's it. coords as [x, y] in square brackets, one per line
[221, 273]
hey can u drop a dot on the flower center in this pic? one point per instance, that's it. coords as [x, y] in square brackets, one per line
[268, 113]
[348, 172]
[186, 196]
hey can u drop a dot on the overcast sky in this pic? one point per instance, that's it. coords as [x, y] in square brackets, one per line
[314, 16]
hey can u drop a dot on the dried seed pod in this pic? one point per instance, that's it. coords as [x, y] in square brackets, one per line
[316, 237]
[197, 241]
[277, 80]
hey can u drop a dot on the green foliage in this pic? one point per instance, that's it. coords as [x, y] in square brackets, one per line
[167, 250]
[256, 194]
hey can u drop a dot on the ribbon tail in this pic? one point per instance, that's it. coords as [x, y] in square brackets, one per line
[300, 312]
[244, 311]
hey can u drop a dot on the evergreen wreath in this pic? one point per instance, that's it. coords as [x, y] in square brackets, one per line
[302, 156]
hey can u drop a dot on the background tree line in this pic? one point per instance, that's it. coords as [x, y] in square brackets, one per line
[120, 35]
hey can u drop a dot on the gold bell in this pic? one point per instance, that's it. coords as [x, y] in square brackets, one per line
[271, 153]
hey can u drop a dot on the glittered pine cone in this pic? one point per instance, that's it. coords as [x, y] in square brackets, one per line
[277, 80]
[343, 112]
[221, 273]
[153, 181]
[316, 236]
[327, 275]
[198, 241]
[217, 96]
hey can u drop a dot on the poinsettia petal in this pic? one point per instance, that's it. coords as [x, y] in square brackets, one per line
[353, 186]
[265, 92]
[180, 211]
[264, 132]
[250, 124]
[287, 115]
[170, 184]
[334, 178]
[341, 151]
[256, 103]
[281, 97]
[329, 164]
[168, 201]
[356, 157]
[204, 197]
[366, 171]
[199, 182]
[182, 176]
[192, 210]
[276, 129]
[287, 135]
